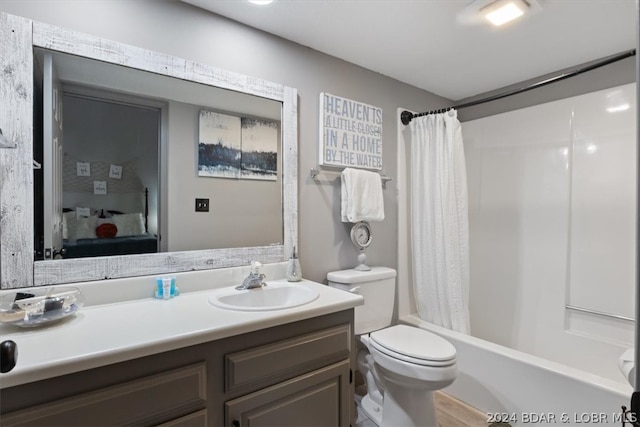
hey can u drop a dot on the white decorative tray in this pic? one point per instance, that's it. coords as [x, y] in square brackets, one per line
[35, 307]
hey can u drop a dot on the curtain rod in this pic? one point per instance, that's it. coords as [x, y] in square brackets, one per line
[407, 116]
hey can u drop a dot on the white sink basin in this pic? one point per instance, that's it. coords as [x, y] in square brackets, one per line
[273, 296]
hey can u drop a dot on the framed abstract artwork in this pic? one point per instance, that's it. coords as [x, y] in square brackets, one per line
[237, 147]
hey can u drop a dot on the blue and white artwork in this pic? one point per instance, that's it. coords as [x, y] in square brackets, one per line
[235, 147]
[259, 149]
[219, 145]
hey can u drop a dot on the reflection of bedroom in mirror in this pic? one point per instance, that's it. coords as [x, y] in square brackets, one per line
[118, 146]
[99, 153]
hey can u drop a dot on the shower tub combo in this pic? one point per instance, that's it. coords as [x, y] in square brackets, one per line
[551, 219]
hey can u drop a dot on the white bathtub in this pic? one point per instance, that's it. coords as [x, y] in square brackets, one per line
[496, 379]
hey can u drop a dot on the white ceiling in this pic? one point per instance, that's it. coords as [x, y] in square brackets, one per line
[426, 43]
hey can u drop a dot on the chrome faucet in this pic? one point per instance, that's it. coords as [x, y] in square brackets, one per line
[254, 279]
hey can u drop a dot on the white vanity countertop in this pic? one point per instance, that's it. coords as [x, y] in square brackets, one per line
[99, 335]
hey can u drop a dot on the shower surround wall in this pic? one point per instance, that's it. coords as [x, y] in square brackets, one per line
[552, 224]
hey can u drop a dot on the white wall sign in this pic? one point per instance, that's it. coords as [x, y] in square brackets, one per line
[115, 172]
[99, 187]
[82, 212]
[350, 133]
[83, 169]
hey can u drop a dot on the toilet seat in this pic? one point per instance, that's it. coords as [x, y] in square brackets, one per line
[414, 345]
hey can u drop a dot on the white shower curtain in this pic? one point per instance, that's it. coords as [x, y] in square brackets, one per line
[439, 221]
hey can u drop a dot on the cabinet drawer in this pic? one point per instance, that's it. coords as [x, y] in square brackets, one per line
[146, 400]
[271, 363]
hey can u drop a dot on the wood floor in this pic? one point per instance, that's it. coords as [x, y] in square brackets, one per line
[455, 413]
[451, 412]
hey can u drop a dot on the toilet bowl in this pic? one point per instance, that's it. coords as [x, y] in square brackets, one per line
[402, 365]
[411, 364]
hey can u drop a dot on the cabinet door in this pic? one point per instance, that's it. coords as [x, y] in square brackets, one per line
[145, 401]
[319, 398]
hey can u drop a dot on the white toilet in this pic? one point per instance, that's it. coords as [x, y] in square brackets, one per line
[408, 363]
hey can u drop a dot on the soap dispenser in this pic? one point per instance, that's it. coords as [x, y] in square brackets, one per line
[294, 273]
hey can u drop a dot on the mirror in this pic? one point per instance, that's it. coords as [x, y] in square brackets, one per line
[104, 176]
[117, 125]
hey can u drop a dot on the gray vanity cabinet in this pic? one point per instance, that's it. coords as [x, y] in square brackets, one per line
[318, 396]
[297, 374]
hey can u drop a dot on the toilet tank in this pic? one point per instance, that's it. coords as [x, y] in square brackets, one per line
[377, 286]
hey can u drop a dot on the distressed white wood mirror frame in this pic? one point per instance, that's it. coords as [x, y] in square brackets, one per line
[18, 37]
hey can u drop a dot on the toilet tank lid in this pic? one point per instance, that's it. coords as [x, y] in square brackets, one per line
[355, 276]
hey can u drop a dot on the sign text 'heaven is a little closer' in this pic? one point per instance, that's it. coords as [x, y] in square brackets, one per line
[350, 133]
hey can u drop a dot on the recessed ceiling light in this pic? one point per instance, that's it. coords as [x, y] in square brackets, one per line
[474, 13]
[261, 2]
[502, 11]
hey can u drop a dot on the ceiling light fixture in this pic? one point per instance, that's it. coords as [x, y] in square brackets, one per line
[502, 11]
[261, 2]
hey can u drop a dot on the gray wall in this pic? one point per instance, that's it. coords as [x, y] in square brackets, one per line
[183, 30]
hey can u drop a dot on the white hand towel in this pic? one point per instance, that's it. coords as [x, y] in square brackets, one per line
[361, 196]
